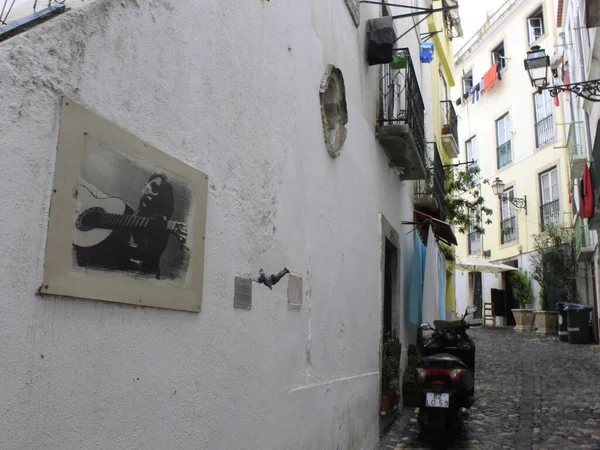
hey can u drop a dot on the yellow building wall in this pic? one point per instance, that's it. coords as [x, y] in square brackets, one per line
[514, 95]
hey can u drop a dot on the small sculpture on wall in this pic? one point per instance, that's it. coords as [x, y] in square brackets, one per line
[270, 280]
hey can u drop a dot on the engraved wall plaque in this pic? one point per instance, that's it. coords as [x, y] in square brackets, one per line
[242, 297]
[294, 290]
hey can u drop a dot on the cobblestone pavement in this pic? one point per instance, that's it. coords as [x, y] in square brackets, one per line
[533, 392]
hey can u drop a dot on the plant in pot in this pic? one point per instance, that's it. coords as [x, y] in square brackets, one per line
[409, 380]
[524, 294]
[390, 371]
[555, 270]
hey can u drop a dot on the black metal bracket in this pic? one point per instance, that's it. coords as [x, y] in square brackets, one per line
[419, 11]
[590, 90]
[427, 36]
[520, 203]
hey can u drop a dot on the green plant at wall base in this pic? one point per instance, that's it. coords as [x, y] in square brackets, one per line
[463, 195]
[390, 365]
[554, 266]
[409, 380]
[521, 287]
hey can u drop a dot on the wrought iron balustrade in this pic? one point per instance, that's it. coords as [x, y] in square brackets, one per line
[474, 242]
[450, 119]
[435, 179]
[508, 230]
[550, 214]
[544, 131]
[402, 102]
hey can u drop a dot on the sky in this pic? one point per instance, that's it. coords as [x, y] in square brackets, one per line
[473, 16]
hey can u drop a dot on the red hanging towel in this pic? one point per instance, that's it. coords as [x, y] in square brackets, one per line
[490, 78]
[587, 205]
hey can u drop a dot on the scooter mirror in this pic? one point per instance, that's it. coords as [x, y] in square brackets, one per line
[425, 326]
[471, 309]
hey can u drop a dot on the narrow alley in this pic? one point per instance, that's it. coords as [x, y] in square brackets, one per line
[533, 392]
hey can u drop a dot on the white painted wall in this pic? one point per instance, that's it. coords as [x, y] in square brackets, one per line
[232, 89]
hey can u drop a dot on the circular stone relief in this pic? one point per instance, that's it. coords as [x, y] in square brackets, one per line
[334, 112]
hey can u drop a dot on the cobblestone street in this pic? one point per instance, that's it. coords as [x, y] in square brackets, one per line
[533, 392]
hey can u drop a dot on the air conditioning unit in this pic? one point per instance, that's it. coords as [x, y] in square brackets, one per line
[487, 253]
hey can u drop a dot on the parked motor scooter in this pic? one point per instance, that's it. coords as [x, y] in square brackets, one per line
[446, 378]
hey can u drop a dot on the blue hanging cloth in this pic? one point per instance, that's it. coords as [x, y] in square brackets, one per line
[415, 304]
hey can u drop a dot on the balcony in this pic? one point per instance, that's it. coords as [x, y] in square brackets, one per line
[544, 131]
[430, 193]
[449, 129]
[508, 230]
[584, 250]
[576, 149]
[401, 124]
[474, 242]
[550, 214]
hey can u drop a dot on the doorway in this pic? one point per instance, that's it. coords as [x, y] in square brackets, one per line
[477, 284]
[509, 298]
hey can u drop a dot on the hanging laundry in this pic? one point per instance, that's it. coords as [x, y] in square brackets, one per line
[587, 194]
[475, 93]
[482, 86]
[555, 101]
[490, 77]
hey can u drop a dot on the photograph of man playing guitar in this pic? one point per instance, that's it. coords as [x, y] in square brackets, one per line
[110, 234]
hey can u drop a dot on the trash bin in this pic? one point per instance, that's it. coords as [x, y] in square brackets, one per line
[563, 335]
[578, 323]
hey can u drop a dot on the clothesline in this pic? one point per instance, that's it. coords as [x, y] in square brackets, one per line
[488, 81]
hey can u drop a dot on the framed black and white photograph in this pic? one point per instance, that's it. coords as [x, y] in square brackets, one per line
[127, 221]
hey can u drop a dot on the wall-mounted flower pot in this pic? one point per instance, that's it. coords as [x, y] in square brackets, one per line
[547, 322]
[399, 61]
[523, 319]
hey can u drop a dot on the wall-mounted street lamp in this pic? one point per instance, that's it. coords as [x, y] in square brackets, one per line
[498, 188]
[537, 64]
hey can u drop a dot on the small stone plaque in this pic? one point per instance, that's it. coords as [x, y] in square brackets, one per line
[242, 297]
[294, 290]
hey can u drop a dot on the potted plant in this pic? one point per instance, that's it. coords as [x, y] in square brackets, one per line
[554, 268]
[524, 295]
[390, 371]
[409, 380]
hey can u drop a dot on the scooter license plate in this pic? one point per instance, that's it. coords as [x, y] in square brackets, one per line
[437, 400]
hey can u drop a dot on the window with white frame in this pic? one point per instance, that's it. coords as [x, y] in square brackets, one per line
[499, 56]
[544, 121]
[503, 139]
[471, 151]
[508, 217]
[535, 25]
[467, 82]
[474, 236]
[550, 209]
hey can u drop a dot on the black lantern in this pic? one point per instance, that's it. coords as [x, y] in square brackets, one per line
[536, 64]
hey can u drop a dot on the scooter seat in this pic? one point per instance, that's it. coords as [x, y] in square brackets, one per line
[442, 324]
[443, 359]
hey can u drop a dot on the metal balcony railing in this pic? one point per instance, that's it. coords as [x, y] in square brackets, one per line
[550, 214]
[544, 131]
[474, 242]
[435, 180]
[508, 230]
[402, 101]
[450, 119]
[581, 235]
[575, 141]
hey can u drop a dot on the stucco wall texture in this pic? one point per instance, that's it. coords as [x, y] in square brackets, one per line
[232, 89]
